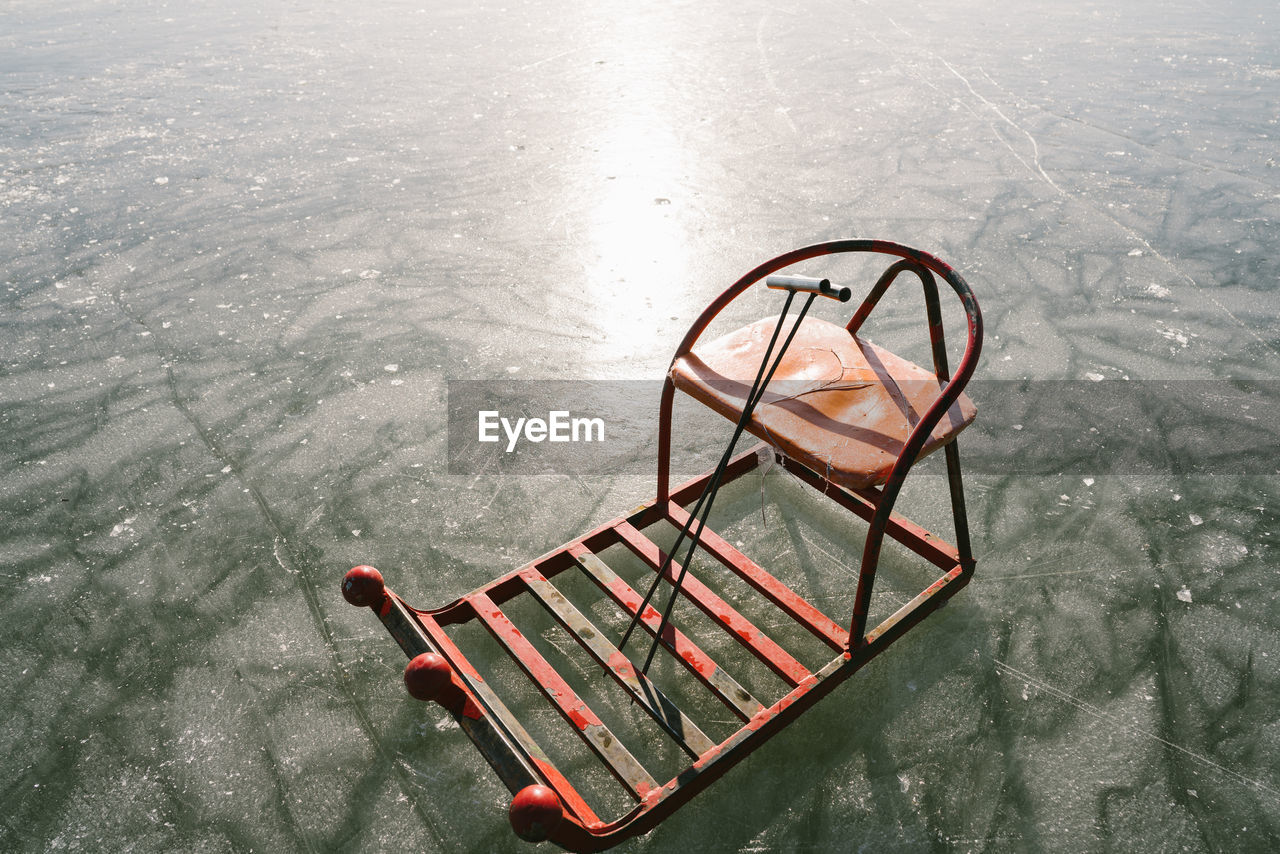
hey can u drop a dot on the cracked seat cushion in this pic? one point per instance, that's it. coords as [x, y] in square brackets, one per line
[838, 404]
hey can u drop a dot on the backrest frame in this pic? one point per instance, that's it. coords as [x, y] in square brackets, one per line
[924, 265]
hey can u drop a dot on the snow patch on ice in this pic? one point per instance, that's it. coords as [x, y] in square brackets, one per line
[124, 527]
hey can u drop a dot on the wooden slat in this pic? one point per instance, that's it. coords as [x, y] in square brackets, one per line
[697, 662]
[685, 732]
[739, 627]
[594, 733]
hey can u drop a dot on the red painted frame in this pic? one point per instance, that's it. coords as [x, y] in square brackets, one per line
[509, 748]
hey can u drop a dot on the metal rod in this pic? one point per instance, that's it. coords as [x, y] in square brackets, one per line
[709, 489]
[667, 715]
[757, 392]
[699, 664]
[725, 616]
[786, 599]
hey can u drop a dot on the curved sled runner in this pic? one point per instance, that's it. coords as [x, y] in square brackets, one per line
[844, 416]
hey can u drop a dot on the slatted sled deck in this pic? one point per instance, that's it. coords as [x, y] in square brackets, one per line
[849, 470]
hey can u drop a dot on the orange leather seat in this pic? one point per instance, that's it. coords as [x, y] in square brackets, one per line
[838, 404]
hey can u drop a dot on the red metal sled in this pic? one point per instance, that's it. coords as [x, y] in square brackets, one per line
[852, 428]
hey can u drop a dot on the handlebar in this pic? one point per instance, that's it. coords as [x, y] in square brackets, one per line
[808, 285]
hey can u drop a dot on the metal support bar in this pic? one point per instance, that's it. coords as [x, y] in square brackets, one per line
[708, 497]
[959, 515]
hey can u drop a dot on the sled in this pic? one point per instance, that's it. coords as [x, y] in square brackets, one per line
[842, 415]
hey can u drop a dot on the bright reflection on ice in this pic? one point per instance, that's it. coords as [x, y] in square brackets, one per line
[640, 257]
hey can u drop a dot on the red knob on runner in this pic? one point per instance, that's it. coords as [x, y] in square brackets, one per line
[535, 813]
[427, 676]
[363, 585]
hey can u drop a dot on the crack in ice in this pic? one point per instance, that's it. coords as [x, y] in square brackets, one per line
[1098, 713]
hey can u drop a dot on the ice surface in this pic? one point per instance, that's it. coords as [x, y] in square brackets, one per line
[244, 246]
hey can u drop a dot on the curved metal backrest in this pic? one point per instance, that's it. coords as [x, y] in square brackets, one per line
[923, 264]
[836, 247]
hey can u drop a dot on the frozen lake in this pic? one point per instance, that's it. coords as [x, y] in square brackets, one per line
[246, 247]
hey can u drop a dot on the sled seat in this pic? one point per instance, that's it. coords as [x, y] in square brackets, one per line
[838, 404]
